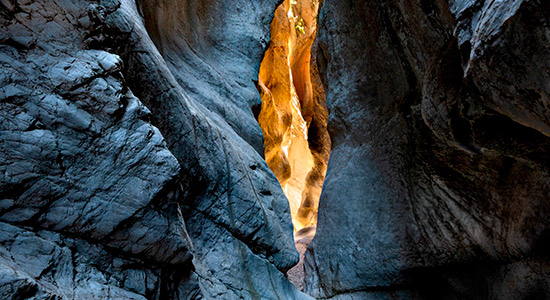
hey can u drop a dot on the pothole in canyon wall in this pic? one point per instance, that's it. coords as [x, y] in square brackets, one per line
[293, 118]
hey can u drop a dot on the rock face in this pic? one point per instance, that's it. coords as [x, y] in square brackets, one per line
[438, 181]
[293, 114]
[130, 157]
[132, 165]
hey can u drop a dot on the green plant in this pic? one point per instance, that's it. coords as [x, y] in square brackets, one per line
[300, 27]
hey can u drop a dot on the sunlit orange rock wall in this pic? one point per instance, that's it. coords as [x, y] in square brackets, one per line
[293, 114]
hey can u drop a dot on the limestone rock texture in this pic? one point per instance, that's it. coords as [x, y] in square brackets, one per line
[131, 163]
[438, 180]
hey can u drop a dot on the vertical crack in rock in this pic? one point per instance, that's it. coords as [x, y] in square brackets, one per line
[185, 67]
[130, 158]
[293, 115]
[131, 164]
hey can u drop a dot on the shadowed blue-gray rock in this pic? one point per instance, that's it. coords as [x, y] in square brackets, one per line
[130, 154]
[131, 163]
[437, 185]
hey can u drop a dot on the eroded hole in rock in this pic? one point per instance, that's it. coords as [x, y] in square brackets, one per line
[293, 117]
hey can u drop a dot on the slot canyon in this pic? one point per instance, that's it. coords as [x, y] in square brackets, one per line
[293, 118]
[293, 115]
[275, 149]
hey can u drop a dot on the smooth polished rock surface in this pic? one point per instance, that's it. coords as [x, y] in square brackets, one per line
[438, 181]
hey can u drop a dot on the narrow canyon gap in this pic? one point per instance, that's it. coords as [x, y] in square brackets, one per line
[133, 167]
[293, 118]
[294, 113]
